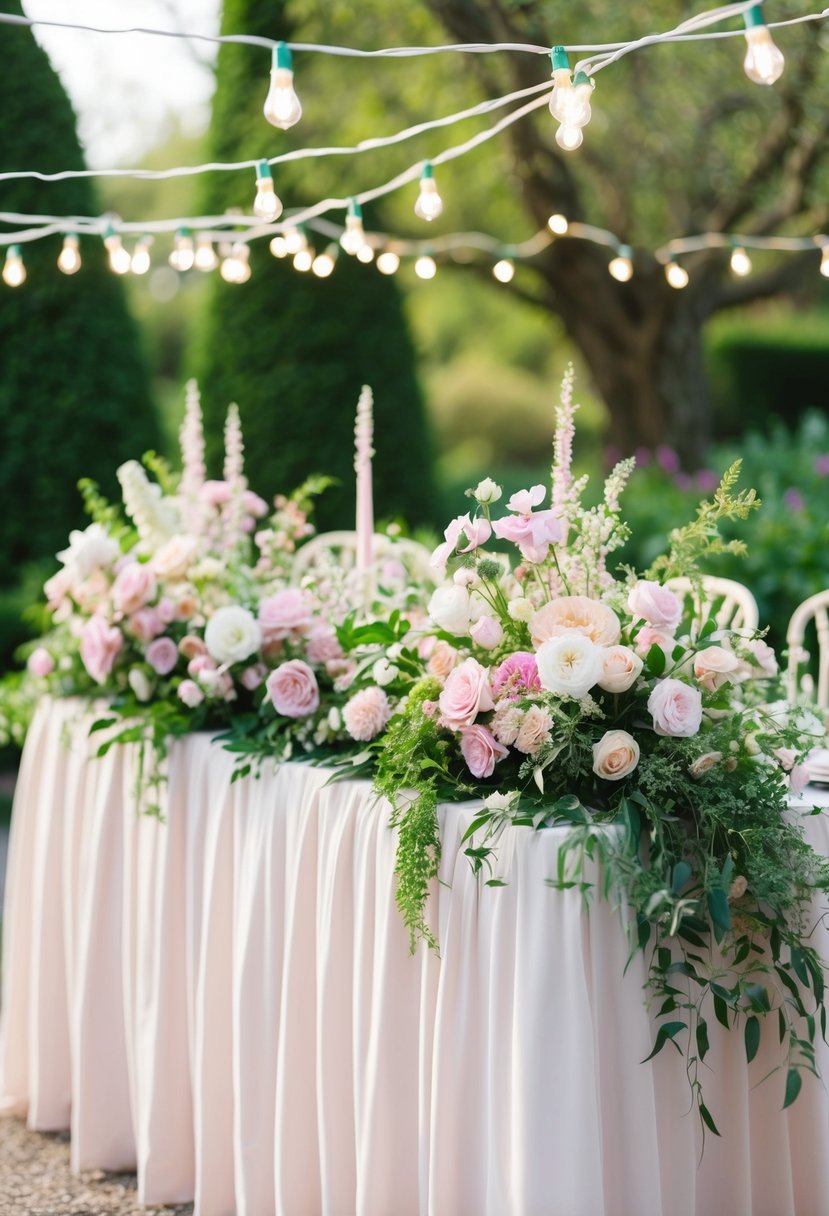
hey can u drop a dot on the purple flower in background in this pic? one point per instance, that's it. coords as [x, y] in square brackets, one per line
[682, 481]
[612, 455]
[707, 480]
[667, 458]
[643, 457]
[822, 465]
[793, 499]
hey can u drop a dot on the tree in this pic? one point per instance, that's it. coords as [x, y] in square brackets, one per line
[681, 143]
[293, 350]
[74, 394]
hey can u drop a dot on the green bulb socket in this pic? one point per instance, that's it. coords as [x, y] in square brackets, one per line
[560, 59]
[263, 171]
[13, 251]
[753, 16]
[355, 211]
[624, 251]
[109, 231]
[426, 171]
[282, 57]
[581, 78]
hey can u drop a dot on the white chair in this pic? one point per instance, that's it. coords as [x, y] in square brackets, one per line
[342, 548]
[733, 605]
[815, 608]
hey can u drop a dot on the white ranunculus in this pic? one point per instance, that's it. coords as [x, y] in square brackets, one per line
[89, 550]
[232, 634]
[449, 608]
[569, 665]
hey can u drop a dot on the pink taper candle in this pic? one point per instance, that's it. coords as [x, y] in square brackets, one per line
[363, 452]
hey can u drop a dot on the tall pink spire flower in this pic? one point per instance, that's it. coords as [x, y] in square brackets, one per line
[234, 475]
[562, 471]
[193, 469]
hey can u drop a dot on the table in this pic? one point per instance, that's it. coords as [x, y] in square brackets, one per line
[226, 1002]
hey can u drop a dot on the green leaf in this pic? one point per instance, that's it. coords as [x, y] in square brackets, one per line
[719, 910]
[655, 660]
[705, 1115]
[682, 872]
[758, 998]
[495, 882]
[721, 1011]
[102, 724]
[752, 1037]
[702, 1038]
[666, 1032]
[476, 823]
[799, 966]
[793, 1084]
[633, 824]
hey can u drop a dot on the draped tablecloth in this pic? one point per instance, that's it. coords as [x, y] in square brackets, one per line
[226, 1002]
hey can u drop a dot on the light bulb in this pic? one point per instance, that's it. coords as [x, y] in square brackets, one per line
[824, 261]
[740, 262]
[140, 262]
[558, 224]
[303, 259]
[580, 111]
[323, 263]
[14, 272]
[69, 258]
[425, 267]
[266, 205]
[676, 275]
[282, 106]
[183, 255]
[569, 137]
[388, 262]
[365, 254]
[504, 270]
[621, 267]
[236, 266]
[206, 258]
[353, 238]
[119, 260]
[295, 239]
[429, 204]
[279, 247]
[561, 96]
[764, 60]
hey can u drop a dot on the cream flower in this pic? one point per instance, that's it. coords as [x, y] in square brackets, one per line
[615, 755]
[568, 666]
[232, 634]
[620, 669]
[535, 730]
[576, 614]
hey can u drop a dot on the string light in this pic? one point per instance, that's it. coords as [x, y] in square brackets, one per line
[304, 259]
[282, 107]
[425, 267]
[764, 60]
[365, 254]
[278, 246]
[740, 262]
[388, 262]
[621, 267]
[353, 238]
[183, 255]
[504, 270]
[206, 258]
[676, 275]
[140, 262]
[119, 260]
[69, 258]
[295, 240]
[558, 224]
[14, 272]
[324, 263]
[429, 204]
[266, 205]
[235, 268]
[569, 100]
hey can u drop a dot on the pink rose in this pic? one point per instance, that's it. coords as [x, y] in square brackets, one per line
[366, 713]
[100, 643]
[615, 755]
[293, 689]
[162, 655]
[656, 605]
[145, 624]
[676, 709]
[40, 662]
[443, 658]
[253, 676]
[200, 665]
[620, 669]
[287, 612]
[523, 501]
[133, 587]
[191, 646]
[486, 633]
[166, 610]
[481, 750]
[323, 645]
[648, 636]
[190, 693]
[516, 676]
[465, 694]
[534, 730]
[714, 667]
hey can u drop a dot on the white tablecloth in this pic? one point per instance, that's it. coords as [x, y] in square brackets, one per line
[226, 1001]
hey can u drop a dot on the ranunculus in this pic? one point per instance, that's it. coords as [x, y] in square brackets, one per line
[576, 614]
[89, 550]
[481, 750]
[655, 604]
[40, 662]
[293, 689]
[714, 667]
[366, 713]
[486, 632]
[676, 709]
[704, 763]
[449, 608]
[620, 669]
[649, 636]
[190, 693]
[100, 643]
[232, 634]
[569, 666]
[516, 676]
[287, 612]
[162, 655]
[465, 694]
[615, 755]
[134, 587]
[442, 659]
[534, 730]
[173, 558]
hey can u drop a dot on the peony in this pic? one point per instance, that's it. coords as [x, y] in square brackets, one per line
[232, 634]
[676, 709]
[366, 714]
[442, 659]
[134, 587]
[704, 763]
[569, 666]
[714, 667]
[576, 614]
[40, 662]
[486, 633]
[534, 731]
[516, 676]
[481, 750]
[620, 669]
[465, 694]
[100, 643]
[449, 608]
[655, 604]
[190, 693]
[615, 755]
[162, 655]
[293, 689]
[89, 550]
[287, 612]
[173, 558]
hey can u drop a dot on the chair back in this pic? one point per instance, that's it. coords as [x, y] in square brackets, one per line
[733, 605]
[343, 546]
[815, 608]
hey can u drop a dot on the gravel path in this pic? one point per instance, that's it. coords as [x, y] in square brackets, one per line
[35, 1180]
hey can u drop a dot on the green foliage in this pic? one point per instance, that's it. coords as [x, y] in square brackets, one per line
[699, 541]
[74, 396]
[293, 350]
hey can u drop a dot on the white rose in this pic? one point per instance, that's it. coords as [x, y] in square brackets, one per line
[714, 667]
[232, 635]
[487, 492]
[615, 755]
[704, 763]
[140, 684]
[569, 666]
[449, 609]
[620, 668]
